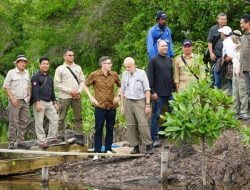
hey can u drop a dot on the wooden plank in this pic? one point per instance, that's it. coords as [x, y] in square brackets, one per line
[55, 148]
[79, 154]
[45, 159]
[17, 166]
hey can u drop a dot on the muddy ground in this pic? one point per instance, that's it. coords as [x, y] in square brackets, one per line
[228, 168]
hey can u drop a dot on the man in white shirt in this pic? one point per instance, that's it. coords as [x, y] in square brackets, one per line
[135, 105]
[227, 54]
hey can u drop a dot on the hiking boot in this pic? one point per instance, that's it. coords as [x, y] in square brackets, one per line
[42, 144]
[156, 144]
[80, 140]
[149, 149]
[23, 145]
[11, 145]
[244, 116]
[135, 150]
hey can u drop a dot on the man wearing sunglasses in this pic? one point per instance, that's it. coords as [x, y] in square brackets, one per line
[69, 80]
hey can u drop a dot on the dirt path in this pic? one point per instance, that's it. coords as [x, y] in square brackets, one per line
[230, 165]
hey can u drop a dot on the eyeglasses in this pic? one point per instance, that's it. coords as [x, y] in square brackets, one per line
[71, 55]
[108, 63]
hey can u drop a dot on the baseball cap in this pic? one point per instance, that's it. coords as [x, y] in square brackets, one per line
[187, 42]
[161, 14]
[225, 30]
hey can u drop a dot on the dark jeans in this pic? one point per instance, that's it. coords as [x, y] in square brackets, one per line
[102, 115]
[217, 79]
[216, 75]
[157, 109]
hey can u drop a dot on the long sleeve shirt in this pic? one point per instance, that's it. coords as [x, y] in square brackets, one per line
[42, 88]
[156, 33]
[245, 55]
[160, 75]
[65, 81]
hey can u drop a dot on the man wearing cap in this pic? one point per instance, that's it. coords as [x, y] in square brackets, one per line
[215, 46]
[159, 31]
[44, 104]
[245, 47]
[227, 54]
[103, 81]
[70, 82]
[17, 87]
[183, 65]
[161, 80]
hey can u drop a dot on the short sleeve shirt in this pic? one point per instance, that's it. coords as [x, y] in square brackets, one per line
[212, 36]
[18, 82]
[104, 87]
[135, 85]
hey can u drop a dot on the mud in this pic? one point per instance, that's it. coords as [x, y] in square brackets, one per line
[228, 167]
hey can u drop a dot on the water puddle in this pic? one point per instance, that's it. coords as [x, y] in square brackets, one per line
[32, 182]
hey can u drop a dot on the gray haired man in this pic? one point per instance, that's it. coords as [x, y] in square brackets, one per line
[135, 104]
[17, 87]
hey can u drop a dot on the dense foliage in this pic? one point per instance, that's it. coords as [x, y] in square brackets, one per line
[103, 27]
[211, 112]
[117, 28]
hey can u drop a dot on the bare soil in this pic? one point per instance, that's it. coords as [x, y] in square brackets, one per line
[228, 167]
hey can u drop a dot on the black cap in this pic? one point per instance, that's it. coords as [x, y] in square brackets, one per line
[161, 14]
[187, 42]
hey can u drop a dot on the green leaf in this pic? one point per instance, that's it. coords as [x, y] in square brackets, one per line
[172, 129]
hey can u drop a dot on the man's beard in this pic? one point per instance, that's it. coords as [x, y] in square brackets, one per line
[162, 26]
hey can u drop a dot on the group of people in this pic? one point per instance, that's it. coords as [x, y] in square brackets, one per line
[142, 94]
[39, 92]
[230, 59]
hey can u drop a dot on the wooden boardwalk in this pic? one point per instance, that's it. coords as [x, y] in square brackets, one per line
[22, 161]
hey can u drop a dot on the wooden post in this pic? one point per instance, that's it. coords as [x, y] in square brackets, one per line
[164, 168]
[203, 170]
[45, 175]
[44, 186]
